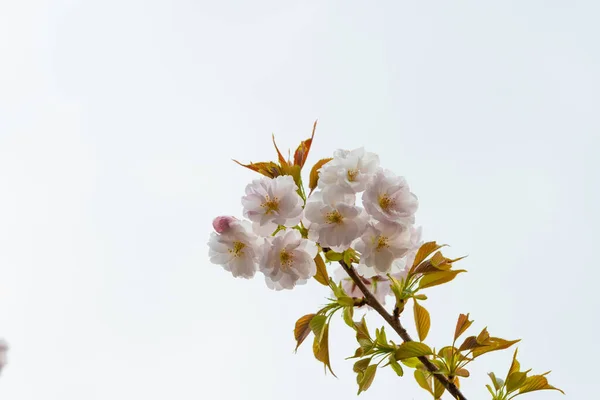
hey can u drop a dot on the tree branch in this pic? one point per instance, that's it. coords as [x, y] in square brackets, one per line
[394, 322]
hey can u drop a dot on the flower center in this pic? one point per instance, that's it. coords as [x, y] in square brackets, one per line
[270, 205]
[285, 259]
[382, 243]
[386, 202]
[237, 249]
[352, 174]
[334, 217]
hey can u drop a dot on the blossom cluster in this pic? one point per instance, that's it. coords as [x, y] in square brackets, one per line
[284, 231]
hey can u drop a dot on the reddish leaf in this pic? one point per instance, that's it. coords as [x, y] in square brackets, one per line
[314, 173]
[268, 168]
[302, 329]
[282, 160]
[301, 152]
[462, 325]
[321, 276]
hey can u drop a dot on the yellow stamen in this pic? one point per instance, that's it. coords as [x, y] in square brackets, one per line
[334, 217]
[270, 205]
[237, 250]
[382, 243]
[352, 174]
[385, 202]
[285, 259]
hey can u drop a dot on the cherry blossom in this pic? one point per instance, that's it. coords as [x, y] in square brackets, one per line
[287, 260]
[335, 223]
[388, 198]
[235, 249]
[272, 202]
[378, 285]
[381, 244]
[349, 169]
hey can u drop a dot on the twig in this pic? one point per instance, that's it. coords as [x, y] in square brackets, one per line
[394, 322]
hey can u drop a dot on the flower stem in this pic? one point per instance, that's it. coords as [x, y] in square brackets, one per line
[394, 322]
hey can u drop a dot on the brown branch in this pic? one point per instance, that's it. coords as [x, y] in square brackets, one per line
[394, 322]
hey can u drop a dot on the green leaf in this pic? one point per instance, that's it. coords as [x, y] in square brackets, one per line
[412, 362]
[412, 349]
[422, 320]
[438, 389]
[367, 379]
[515, 381]
[302, 329]
[333, 256]
[498, 383]
[321, 276]
[345, 301]
[536, 382]
[348, 315]
[361, 365]
[317, 323]
[462, 325]
[423, 381]
[361, 329]
[321, 348]
[381, 338]
[395, 365]
[438, 278]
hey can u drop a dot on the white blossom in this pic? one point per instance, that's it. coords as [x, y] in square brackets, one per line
[335, 223]
[381, 244]
[388, 198]
[272, 202]
[235, 248]
[287, 260]
[349, 169]
[379, 286]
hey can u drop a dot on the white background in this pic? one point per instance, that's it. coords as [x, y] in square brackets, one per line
[118, 122]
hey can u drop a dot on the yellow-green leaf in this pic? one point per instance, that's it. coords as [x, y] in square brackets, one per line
[422, 320]
[361, 365]
[314, 173]
[269, 169]
[462, 372]
[395, 365]
[514, 366]
[321, 276]
[537, 382]
[412, 349]
[301, 152]
[412, 362]
[438, 278]
[302, 329]
[423, 381]
[367, 378]
[438, 389]
[483, 337]
[498, 383]
[469, 344]
[495, 345]
[462, 325]
[317, 323]
[515, 381]
[424, 251]
[348, 314]
[321, 348]
[333, 256]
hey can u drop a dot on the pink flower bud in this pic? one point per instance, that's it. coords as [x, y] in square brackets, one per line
[223, 223]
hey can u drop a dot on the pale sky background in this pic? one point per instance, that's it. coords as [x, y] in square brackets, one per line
[118, 122]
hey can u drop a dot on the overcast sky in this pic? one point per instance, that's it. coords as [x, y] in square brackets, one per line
[118, 122]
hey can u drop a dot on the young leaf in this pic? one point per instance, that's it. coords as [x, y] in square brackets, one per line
[348, 314]
[314, 173]
[367, 378]
[361, 329]
[514, 366]
[345, 301]
[437, 278]
[423, 381]
[395, 365]
[462, 372]
[282, 160]
[316, 325]
[424, 251]
[333, 256]
[537, 382]
[412, 349]
[321, 348]
[321, 276]
[380, 337]
[302, 329]
[469, 344]
[498, 383]
[495, 345]
[438, 389]
[301, 153]
[515, 381]
[483, 337]
[462, 325]
[412, 362]
[422, 320]
[361, 365]
[269, 169]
